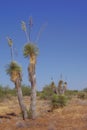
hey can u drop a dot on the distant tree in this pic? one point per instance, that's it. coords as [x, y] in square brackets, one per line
[14, 70]
[85, 89]
[53, 87]
[62, 86]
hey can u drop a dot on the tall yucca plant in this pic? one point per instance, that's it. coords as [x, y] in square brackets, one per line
[31, 51]
[14, 70]
[62, 86]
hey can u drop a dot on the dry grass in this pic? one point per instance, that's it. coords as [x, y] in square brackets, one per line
[71, 117]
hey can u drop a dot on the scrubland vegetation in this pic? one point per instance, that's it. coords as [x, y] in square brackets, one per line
[47, 93]
[54, 110]
[7, 92]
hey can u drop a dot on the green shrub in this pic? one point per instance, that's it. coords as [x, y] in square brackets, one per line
[82, 95]
[26, 90]
[47, 93]
[85, 90]
[58, 101]
[9, 91]
[6, 92]
[71, 92]
[1, 92]
[39, 93]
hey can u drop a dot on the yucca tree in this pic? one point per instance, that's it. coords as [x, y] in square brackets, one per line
[64, 87]
[31, 51]
[53, 87]
[14, 71]
[60, 87]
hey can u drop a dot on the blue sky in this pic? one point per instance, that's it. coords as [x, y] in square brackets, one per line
[62, 44]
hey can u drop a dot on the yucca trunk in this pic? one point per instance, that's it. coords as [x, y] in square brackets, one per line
[32, 78]
[20, 98]
[60, 87]
[64, 87]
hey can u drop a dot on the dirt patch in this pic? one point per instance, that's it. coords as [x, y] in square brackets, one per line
[71, 117]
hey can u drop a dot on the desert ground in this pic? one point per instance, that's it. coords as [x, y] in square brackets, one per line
[71, 117]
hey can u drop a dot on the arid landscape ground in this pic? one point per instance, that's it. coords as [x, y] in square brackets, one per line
[72, 117]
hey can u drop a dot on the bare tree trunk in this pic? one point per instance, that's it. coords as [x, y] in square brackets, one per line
[20, 99]
[32, 78]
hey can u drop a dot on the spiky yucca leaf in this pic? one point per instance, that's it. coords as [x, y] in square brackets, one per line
[30, 49]
[13, 66]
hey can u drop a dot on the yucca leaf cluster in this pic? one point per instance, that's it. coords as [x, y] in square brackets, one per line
[13, 66]
[30, 49]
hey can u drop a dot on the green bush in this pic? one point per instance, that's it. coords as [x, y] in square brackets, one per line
[2, 95]
[71, 92]
[85, 90]
[47, 93]
[82, 95]
[39, 93]
[9, 91]
[26, 90]
[6, 92]
[58, 101]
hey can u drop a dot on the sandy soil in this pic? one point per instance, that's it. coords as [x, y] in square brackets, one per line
[71, 117]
